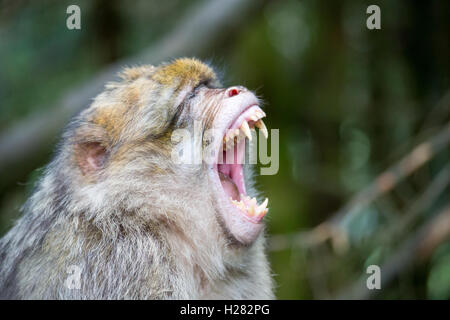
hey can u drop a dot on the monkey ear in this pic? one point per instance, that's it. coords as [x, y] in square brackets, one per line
[90, 148]
[90, 157]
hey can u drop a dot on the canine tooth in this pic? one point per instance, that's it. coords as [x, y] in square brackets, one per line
[260, 124]
[246, 129]
[261, 214]
[263, 206]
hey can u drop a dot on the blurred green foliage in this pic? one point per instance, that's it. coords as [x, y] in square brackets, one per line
[348, 102]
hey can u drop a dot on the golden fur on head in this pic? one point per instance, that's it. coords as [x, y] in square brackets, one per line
[184, 71]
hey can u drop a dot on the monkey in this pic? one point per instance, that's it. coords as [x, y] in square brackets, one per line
[116, 204]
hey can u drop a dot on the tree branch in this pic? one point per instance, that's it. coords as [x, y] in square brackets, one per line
[419, 246]
[385, 182]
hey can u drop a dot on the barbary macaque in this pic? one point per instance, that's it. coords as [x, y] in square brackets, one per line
[114, 216]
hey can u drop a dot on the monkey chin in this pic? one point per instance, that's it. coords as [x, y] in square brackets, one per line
[241, 215]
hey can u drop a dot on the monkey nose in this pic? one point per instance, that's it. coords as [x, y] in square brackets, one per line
[234, 91]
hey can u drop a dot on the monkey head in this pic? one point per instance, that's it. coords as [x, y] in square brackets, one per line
[133, 151]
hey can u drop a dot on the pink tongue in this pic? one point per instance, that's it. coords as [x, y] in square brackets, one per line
[229, 186]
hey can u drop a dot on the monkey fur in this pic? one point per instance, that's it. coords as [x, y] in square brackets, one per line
[114, 204]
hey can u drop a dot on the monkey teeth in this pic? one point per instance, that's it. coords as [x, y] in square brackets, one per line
[231, 173]
[251, 208]
[260, 124]
[246, 129]
[233, 136]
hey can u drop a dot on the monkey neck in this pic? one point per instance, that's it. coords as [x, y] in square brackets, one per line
[179, 253]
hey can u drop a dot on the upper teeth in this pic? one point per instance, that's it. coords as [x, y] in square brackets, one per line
[245, 130]
[260, 124]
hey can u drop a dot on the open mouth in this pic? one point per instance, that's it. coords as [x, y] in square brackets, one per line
[230, 163]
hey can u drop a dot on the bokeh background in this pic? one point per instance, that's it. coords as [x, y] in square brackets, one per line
[363, 118]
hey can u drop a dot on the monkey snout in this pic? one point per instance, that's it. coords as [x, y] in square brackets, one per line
[234, 91]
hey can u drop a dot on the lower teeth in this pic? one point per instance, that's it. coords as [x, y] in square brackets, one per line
[250, 206]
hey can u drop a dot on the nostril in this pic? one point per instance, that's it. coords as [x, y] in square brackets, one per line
[233, 92]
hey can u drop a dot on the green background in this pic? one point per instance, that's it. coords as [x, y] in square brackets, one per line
[349, 102]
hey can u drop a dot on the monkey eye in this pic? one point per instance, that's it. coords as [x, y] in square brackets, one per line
[197, 88]
[191, 95]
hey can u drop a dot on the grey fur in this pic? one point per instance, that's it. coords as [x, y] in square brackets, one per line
[133, 234]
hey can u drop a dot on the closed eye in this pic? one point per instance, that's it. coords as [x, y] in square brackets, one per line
[197, 88]
[184, 106]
